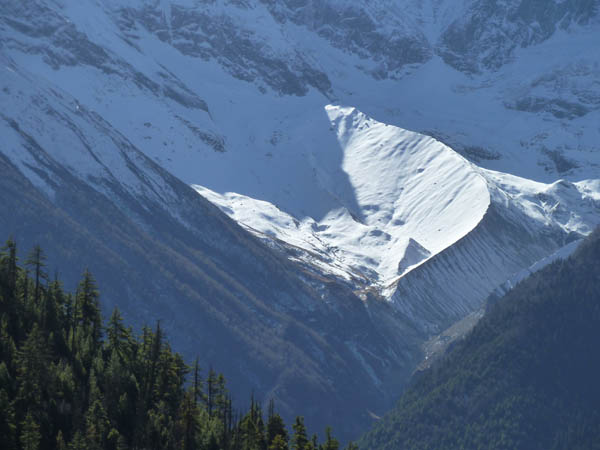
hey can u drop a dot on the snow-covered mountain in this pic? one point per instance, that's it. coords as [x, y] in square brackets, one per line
[420, 224]
[78, 187]
[358, 238]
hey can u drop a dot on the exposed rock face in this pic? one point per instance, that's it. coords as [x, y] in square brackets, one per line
[209, 32]
[377, 31]
[490, 31]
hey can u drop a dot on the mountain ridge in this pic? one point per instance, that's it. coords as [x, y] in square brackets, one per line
[130, 105]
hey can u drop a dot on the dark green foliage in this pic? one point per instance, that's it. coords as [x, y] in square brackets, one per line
[277, 435]
[527, 377]
[330, 442]
[67, 382]
[30, 433]
[300, 440]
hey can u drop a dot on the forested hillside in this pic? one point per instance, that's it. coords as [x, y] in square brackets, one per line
[527, 377]
[69, 381]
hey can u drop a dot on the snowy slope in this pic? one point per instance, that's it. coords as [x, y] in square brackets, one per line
[409, 198]
[82, 143]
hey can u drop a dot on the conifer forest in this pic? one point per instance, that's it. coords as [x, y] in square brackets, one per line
[69, 380]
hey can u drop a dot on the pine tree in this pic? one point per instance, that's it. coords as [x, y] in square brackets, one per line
[60, 441]
[213, 443]
[278, 443]
[119, 338]
[8, 349]
[8, 427]
[32, 366]
[88, 308]
[276, 428]
[8, 264]
[8, 280]
[52, 315]
[211, 388]
[30, 433]
[299, 440]
[78, 442]
[330, 442]
[221, 400]
[11, 309]
[36, 259]
[260, 431]
[96, 420]
[23, 305]
[189, 424]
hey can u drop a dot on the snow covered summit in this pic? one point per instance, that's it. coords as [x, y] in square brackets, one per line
[409, 198]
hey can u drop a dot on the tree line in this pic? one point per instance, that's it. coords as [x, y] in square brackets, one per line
[70, 381]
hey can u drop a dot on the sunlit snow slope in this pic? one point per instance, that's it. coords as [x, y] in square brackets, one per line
[412, 197]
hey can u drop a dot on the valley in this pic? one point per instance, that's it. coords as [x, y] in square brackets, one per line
[331, 182]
